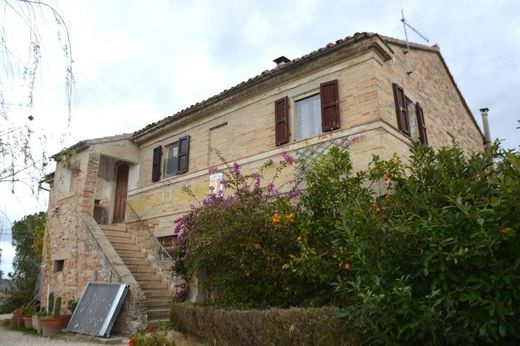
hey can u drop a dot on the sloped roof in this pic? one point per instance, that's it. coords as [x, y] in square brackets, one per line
[281, 68]
[265, 75]
[84, 144]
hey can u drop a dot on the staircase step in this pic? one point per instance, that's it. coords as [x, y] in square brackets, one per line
[120, 234]
[155, 285]
[134, 259]
[157, 314]
[163, 303]
[131, 254]
[134, 269]
[151, 293]
[146, 277]
[120, 240]
[121, 227]
[126, 247]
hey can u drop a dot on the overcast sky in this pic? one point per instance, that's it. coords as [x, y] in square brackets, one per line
[136, 62]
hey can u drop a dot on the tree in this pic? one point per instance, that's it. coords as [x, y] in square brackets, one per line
[28, 235]
[23, 157]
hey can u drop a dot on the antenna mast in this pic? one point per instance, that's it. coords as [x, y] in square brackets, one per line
[405, 24]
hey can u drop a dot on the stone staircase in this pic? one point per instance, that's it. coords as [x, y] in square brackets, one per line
[153, 284]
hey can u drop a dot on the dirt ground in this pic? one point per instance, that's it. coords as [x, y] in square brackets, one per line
[15, 338]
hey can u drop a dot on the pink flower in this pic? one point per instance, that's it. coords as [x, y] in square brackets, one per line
[287, 158]
[212, 170]
[236, 168]
[271, 188]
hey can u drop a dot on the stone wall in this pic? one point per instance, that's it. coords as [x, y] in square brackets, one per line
[75, 238]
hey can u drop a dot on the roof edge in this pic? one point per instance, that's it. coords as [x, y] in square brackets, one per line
[436, 49]
[86, 143]
[262, 77]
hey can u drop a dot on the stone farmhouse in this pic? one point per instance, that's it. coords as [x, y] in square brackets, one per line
[113, 200]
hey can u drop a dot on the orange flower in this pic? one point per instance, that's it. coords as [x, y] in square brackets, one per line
[277, 218]
[386, 178]
[376, 208]
[347, 266]
[388, 199]
[290, 218]
[506, 230]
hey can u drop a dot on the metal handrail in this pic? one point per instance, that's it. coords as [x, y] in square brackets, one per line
[150, 233]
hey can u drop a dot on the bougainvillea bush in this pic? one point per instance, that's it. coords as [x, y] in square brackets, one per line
[237, 243]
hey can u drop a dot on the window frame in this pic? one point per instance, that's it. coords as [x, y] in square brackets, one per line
[293, 115]
[167, 148]
[416, 107]
[285, 112]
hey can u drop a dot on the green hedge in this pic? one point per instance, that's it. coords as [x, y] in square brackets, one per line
[312, 326]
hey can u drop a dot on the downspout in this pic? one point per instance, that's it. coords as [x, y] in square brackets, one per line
[485, 123]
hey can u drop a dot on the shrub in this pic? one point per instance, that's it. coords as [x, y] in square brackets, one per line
[237, 244]
[51, 303]
[296, 326]
[57, 308]
[437, 260]
[150, 337]
[71, 305]
[331, 186]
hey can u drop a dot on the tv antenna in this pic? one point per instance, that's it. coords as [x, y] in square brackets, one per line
[405, 24]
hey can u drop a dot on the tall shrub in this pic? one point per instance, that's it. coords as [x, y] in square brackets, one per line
[437, 259]
[331, 187]
[238, 243]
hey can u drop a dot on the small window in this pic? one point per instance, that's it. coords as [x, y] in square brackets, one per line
[308, 117]
[171, 163]
[414, 125]
[58, 266]
[410, 117]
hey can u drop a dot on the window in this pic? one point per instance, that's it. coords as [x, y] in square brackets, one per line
[58, 266]
[308, 117]
[171, 163]
[312, 115]
[176, 162]
[410, 117]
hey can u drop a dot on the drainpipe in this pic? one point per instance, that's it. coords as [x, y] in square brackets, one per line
[485, 123]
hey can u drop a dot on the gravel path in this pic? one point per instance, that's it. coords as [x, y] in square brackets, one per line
[15, 338]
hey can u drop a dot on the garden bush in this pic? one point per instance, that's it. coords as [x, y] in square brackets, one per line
[437, 259]
[331, 187]
[296, 326]
[237, 244]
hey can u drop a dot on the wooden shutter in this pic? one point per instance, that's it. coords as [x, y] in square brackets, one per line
[329, 105]
[420, 124]
[184, 154]
[400, 109]
[156, 164]
[281, 120]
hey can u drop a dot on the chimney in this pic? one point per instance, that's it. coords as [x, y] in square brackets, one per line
[485, 123]
[281, 60]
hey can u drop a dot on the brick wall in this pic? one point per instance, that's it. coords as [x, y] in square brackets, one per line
[75, 238]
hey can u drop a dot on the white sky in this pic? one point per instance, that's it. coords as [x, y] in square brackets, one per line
[136, 62]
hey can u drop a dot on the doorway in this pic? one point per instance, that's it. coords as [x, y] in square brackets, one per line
[121, 193]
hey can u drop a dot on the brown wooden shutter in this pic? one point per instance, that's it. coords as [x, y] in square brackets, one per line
[329, 105]
[420, 124]
[156, 164]
[184, 154]
[400, 109]
[281, 120]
